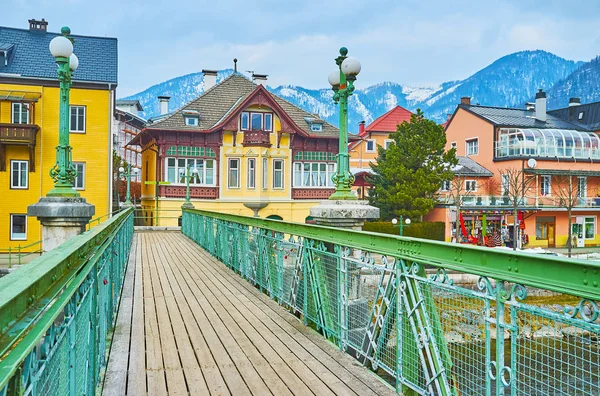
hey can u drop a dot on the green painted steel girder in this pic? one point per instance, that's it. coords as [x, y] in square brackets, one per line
[563, 275]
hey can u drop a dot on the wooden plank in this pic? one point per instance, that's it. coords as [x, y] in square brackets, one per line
[136, 376]
[191, 366]
[342, 365]
[155, 371]
[254, 353]
[174, 373]
[116, 371]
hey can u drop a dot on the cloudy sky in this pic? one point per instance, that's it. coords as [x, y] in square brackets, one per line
[412, 42]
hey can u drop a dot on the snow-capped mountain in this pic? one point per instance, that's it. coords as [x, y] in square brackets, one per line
[583, 83]
[508, 82]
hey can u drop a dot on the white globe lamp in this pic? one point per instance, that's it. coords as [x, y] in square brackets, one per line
[351, 66]
[61, 47]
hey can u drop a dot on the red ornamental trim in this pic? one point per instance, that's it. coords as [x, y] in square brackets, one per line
[312, 193]
[195, 192]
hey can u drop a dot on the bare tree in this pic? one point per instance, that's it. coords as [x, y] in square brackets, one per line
[516, 186]
[458, 192]
[567, 192]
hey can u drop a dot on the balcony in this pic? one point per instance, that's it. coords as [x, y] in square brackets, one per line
[18, 135]
[312, 193]
[195, 192]
[257, 138]
[499, 201]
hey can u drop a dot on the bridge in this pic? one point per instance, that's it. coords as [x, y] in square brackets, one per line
[238, 305]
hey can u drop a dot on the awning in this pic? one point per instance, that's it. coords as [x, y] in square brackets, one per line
[23, 96]
[357, 171]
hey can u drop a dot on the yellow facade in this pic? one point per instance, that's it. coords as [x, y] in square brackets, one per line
[93, 147]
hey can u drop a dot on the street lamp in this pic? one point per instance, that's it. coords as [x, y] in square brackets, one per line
[187, 175]
[342, 83]
[63, 172]
[128, 175]
[402, 222]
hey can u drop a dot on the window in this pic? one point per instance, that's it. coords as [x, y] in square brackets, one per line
[472, 146]
[453, 145]
[268, 122]
[386, 143]
[265, 178]
[191, 121]
[20, 113]
[256, 121]
[234, 173]
[370, 146]
[277, 173]
[589, 227]
[19, 174]
[18, 227]
[582, 187]
[541, 226]
[446, 185]
[251, 172]
[580, 117]
[546, 185]
[313, 174]
[245, 121]
[471, 185]
[316, 127]
[176, 169]
[77, 119]
[80, 178]
[504, 185]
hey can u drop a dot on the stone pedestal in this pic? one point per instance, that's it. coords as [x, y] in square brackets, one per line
[343, 213]
[61, 218]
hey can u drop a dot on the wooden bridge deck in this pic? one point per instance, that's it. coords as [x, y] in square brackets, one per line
[188, 325]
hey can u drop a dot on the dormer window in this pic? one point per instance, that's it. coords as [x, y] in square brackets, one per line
[191, 117]
[316, 127]
[250, 121]
[315, 124]
[580, 116]
[191, 121]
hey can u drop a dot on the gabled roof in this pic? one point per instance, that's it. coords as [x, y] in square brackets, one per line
[518, 118]
[389, 121]
[30, 56]
[468, 167]
[225, 100]
[590, 119]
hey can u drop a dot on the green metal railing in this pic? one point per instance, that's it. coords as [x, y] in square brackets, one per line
[57, 313]
[517, 323]
[15, 255]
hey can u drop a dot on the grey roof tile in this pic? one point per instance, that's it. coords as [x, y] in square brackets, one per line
[590, 119]
[468, 167]
[518, 118]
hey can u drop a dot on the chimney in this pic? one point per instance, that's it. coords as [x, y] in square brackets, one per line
[260, 79]
[465, 100]
[164, 104]
[361, 128]
[210, 79]
[529, 106]
[540, 106]
[38, 26]
[574, 102]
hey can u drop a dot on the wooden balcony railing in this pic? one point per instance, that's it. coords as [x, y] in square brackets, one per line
[312, 193]
[195, 192]
[257, 138]
[20, 135]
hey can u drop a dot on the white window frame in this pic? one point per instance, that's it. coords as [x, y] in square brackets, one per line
[18, 185]
[194, 121]
[315, 127]
[193, 182]
[387, 142]
[468, 182]
[472, 140]
[446, 185]
[265, 121]
[251, 173]
[265, 174]
[247, 127]
[21, 106]
[546, 185]
[374, 149]
[71, 108]
[16, 238]
[585, 185]
[230, 161]
[282, 171]
[299, 171]
[504, 185]
[584, 226]
[82, 187]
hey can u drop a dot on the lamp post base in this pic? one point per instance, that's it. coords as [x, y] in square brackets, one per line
[187, 205]
[350, 214]
[63, 191]
[62, 218]
[343, 195]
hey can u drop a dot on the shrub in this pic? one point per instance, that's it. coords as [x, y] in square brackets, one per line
[425, 230]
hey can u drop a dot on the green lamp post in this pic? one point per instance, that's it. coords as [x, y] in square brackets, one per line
[127, 174]
[188, 175]
[402, 222]
[63, 172]
[342, 83]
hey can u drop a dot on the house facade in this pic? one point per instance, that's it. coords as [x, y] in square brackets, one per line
[127, 124]
[558, 154]
[29, 117]
[363, 152]
[254, 154]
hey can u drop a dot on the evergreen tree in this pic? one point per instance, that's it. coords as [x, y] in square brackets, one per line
[408, 175]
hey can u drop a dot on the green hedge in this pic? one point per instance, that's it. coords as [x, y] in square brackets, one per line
[426, 230]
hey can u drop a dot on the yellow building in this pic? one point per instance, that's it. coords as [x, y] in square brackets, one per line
[29, 110]
[254, 152]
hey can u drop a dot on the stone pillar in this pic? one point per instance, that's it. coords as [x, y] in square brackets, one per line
[350, 214]
[62, 218]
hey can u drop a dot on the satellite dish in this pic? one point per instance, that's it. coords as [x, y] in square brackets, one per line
[531, 163]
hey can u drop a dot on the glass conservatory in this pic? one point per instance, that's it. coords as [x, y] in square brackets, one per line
[550, 143]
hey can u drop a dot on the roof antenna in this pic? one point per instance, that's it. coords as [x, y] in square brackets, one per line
[235, 65]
